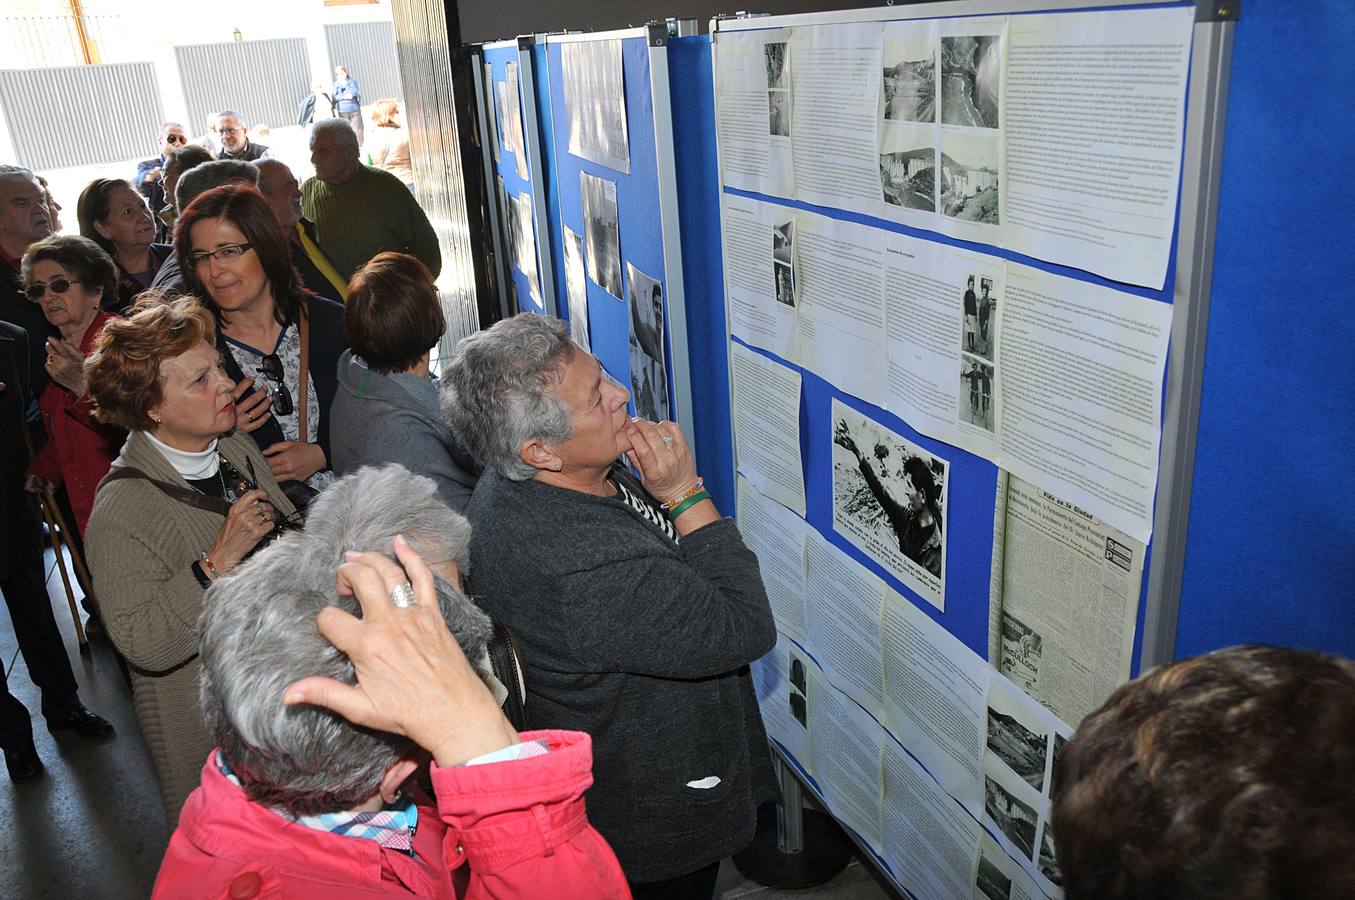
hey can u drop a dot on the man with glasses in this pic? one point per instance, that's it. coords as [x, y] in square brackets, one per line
[149, 178]
[235, 142]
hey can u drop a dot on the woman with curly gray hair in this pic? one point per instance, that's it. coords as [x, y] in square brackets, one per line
[639, 606]
[329, 679]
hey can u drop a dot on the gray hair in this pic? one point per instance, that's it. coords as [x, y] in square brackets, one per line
[208, 175]
[347, 136]
[496, 394]
[258, 636]
[230, 113]
[16, 172]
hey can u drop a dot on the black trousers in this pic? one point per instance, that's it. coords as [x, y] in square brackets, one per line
[698, 885]
[30, 611]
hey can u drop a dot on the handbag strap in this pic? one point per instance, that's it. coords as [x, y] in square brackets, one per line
[173, 491]
[302, 434]
[505, 658]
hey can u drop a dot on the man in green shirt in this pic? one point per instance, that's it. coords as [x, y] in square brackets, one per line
[360, 211]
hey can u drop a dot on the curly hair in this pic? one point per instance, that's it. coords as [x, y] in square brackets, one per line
[1224, 776]
[123, 372]
[78, 255]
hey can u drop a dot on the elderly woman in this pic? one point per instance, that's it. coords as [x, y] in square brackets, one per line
[274, 334]
[68, 277]
[298, 801]
[388, 144]
[386, 408]
[638, 605]
[114, 215]
[186, 501]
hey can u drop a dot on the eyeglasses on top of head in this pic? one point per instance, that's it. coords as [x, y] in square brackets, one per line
[225, 253]
[36, 291]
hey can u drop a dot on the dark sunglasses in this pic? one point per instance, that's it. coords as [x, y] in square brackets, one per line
[35, 292]
[271, 367]
[176, 139]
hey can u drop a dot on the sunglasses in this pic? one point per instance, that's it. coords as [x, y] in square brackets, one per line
[271, 368]
[35, 292]
[176, 139]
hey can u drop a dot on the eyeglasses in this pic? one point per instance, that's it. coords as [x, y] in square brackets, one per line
[35, 292]
[229, 130]
[224, 254]
[176, 139]
[271, 368]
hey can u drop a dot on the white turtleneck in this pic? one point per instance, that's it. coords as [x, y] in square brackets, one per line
[191, 466]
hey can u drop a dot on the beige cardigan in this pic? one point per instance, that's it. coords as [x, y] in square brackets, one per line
[142, 545]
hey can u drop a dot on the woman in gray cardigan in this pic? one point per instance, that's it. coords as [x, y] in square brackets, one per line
[386, 407]
[186, 501]
[639, 617]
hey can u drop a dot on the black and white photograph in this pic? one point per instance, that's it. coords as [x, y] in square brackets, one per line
[797, 673]
[969, 177]
[1022, 745]
[778, 113]
[602, 232]
[889, 499]
[971, 80]
[908, 167]
[1049, 865]
[1021, 649]
[778, 75]
[991, 883]
[648, 374]
[785, 284]
[1013, 818]
[798, 708]
[979, 333]
[1057, 753]
[576, 286]
[976, 392]
[909, 80]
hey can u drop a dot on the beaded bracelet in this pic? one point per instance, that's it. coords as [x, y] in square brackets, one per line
[208, 565]
[692, 491]
[685, 504]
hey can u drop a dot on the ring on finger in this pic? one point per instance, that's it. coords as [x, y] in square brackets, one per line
[402, 596]
[667, 440]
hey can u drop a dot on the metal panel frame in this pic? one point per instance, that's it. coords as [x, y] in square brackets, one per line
[1207, 101]
[489, 133]
[531, 130]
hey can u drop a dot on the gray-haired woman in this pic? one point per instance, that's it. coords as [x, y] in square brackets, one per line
[639, 617]
[299, 801]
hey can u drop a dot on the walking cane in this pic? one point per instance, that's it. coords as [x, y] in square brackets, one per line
[48, 503]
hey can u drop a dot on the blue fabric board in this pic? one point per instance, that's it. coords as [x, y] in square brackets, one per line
[1269, 553]
[692, 87]
[637, 201]
[548, 152]
[499, 58]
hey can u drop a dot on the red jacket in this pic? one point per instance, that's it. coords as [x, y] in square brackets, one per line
[520, 825]
[79, 451]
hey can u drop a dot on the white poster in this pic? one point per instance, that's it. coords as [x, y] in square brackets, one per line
[759, 259]
[513, 99]
[777, 538]
[767, 426]
[601, 232]
[526, 248]
[648, 369]
[576, 285]
[595, 102]
[753, 108]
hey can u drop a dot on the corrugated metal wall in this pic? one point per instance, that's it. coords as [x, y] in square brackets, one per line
[264, 80]
[426, 64]
[81, 115]
[368, 50]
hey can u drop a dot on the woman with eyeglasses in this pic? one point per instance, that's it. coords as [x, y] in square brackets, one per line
[187, 500]
[279, 342]
[68, 277]
[114, 215]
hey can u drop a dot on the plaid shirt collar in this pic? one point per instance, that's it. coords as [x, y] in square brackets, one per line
[392, 827]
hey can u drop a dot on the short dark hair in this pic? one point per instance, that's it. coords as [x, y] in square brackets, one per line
[94, 206]
[392, 315]
[187, 157]
[248, 211]
[83, 258]
[1224, 776]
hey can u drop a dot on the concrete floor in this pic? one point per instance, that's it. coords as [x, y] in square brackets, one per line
[93, 822]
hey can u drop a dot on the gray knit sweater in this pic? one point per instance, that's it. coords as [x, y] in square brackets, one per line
[141, 546]
[643, 644]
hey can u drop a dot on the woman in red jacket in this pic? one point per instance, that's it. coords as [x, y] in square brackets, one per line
[68, 276]
[299, 802]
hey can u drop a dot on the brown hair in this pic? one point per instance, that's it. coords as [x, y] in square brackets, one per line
[386, 114]
[1224, 776]
[83, 258]
[94, 206]
[124, 370]
[392, 315]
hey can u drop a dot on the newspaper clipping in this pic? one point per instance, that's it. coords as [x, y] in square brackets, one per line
[648, 372]
[576, 285]
[595, 102]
